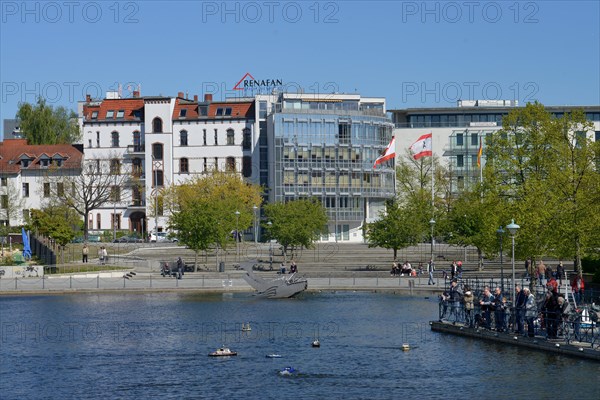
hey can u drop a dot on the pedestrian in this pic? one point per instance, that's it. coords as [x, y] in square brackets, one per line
[530, 311]
[84, 253]
[430, 269]
[454, 297]
[453, 269]
[560, 272]
[459, 269]
[293, 267]
[551, 309]
[100, 256]
[468, 301]
[179, 268]
[541, 272]
[527, 266]
[521, 299]
[577, 287]
[104, 255]
[487, 303]
[499, 310]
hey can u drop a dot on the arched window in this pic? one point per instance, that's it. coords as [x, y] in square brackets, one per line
[157, 178]
[183, 138]
[247, 166]
[137, 142]
[157, 151]
[184, 166]
[157, 125]
[230, 164]
[247, 139]
[230, 137]
[115, 139]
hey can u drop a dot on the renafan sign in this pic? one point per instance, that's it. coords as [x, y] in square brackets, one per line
[248, 82]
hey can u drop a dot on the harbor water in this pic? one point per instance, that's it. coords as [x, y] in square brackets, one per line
[156, 345]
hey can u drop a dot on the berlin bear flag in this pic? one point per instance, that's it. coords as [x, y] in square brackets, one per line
[422, 147]
[389, 153]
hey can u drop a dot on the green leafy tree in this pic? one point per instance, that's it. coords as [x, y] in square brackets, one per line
[295, 223]
[44, 124]
[203, 210]
[54, 225]
[395, 228]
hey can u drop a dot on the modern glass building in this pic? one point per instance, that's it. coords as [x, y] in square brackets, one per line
[324, 147]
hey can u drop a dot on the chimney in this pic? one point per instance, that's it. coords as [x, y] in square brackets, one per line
[88, 98]
[180, 95]
[208, 97]
[136, 93]
[196, 98]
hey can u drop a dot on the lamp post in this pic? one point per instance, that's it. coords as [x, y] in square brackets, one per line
[432, 223]
[237, 234]
[500, 233]
[155, 172]
[513, 228]
[269, 224]
[255, 208]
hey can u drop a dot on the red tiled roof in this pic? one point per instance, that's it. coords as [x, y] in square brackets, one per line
[127, 105]
[11, 151]
[191, 107]
[238, 110]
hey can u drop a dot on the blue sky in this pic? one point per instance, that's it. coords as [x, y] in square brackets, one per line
[414, 53]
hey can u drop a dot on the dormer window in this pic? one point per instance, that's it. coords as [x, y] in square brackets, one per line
[228, 111]
[44, 163]
[120, 113]
[94, 114]
[25, 163]
[110, 114]
[182, 113]
[219, 111]
[58, 162]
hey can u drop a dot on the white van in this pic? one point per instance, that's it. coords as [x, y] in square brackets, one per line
[162, 237]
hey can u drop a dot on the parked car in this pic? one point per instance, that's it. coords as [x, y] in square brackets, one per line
[162, 237]
[128, 239]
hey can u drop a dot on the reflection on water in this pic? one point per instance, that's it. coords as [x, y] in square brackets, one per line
[150, 345]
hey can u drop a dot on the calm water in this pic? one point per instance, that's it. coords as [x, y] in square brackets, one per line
[105, 346]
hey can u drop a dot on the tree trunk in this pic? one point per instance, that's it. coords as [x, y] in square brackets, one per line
[480, 259]
[395, 253]
[196, 261]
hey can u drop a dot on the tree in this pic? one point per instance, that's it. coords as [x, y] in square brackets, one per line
[91, 189]
[296, 223]
[203, 210]
[394, 229]
[43, 124]
[53, 224]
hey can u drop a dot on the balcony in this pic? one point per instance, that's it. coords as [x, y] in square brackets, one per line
[136, 205]
[135, 150]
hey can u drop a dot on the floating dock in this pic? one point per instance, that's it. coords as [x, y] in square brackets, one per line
[555, 346]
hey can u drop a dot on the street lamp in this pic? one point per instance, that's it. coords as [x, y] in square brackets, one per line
[269, 224]
[237, 234]
[500, 233]
[432, 223]
[155, 172]
[513, 228]
[255, 208]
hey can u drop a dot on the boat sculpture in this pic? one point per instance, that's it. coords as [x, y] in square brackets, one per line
[222, 352]
[276, 288]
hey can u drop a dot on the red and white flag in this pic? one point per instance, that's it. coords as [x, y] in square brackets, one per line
[389, 153]
[422, 147]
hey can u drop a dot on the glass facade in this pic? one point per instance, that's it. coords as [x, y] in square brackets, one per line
[330, 157]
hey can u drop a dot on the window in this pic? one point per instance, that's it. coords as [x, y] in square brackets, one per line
[247, 139]
[597, 136]
[4, 201]
[115, 139]
[157, 126]
[120, 113]
[136, 167]
[90, 143]
[44, 163]
[116, 221]
[216, 163]
[157, 151]
[182, 113]
[4, 181]
[94, 114]
[26, 190]
[459, 139]
[115, 193]
[474, 139]
[344, 133]
[460, 162]
[247, 166]
[24, 163]
[157, 178]
[205, 165]
[460, 182]
[230, 164]
[204, 137]
[46, 189]
[216, 137]
[230, 137]
[91, 221]
[98, 221]
[228, 111]
[60, 189]
[183, 138]
[115, 166]
[98, 139]
[58, 162]
[184, 166]
[110, 114]
[219, 111]
[262, 109]
[137, 142]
